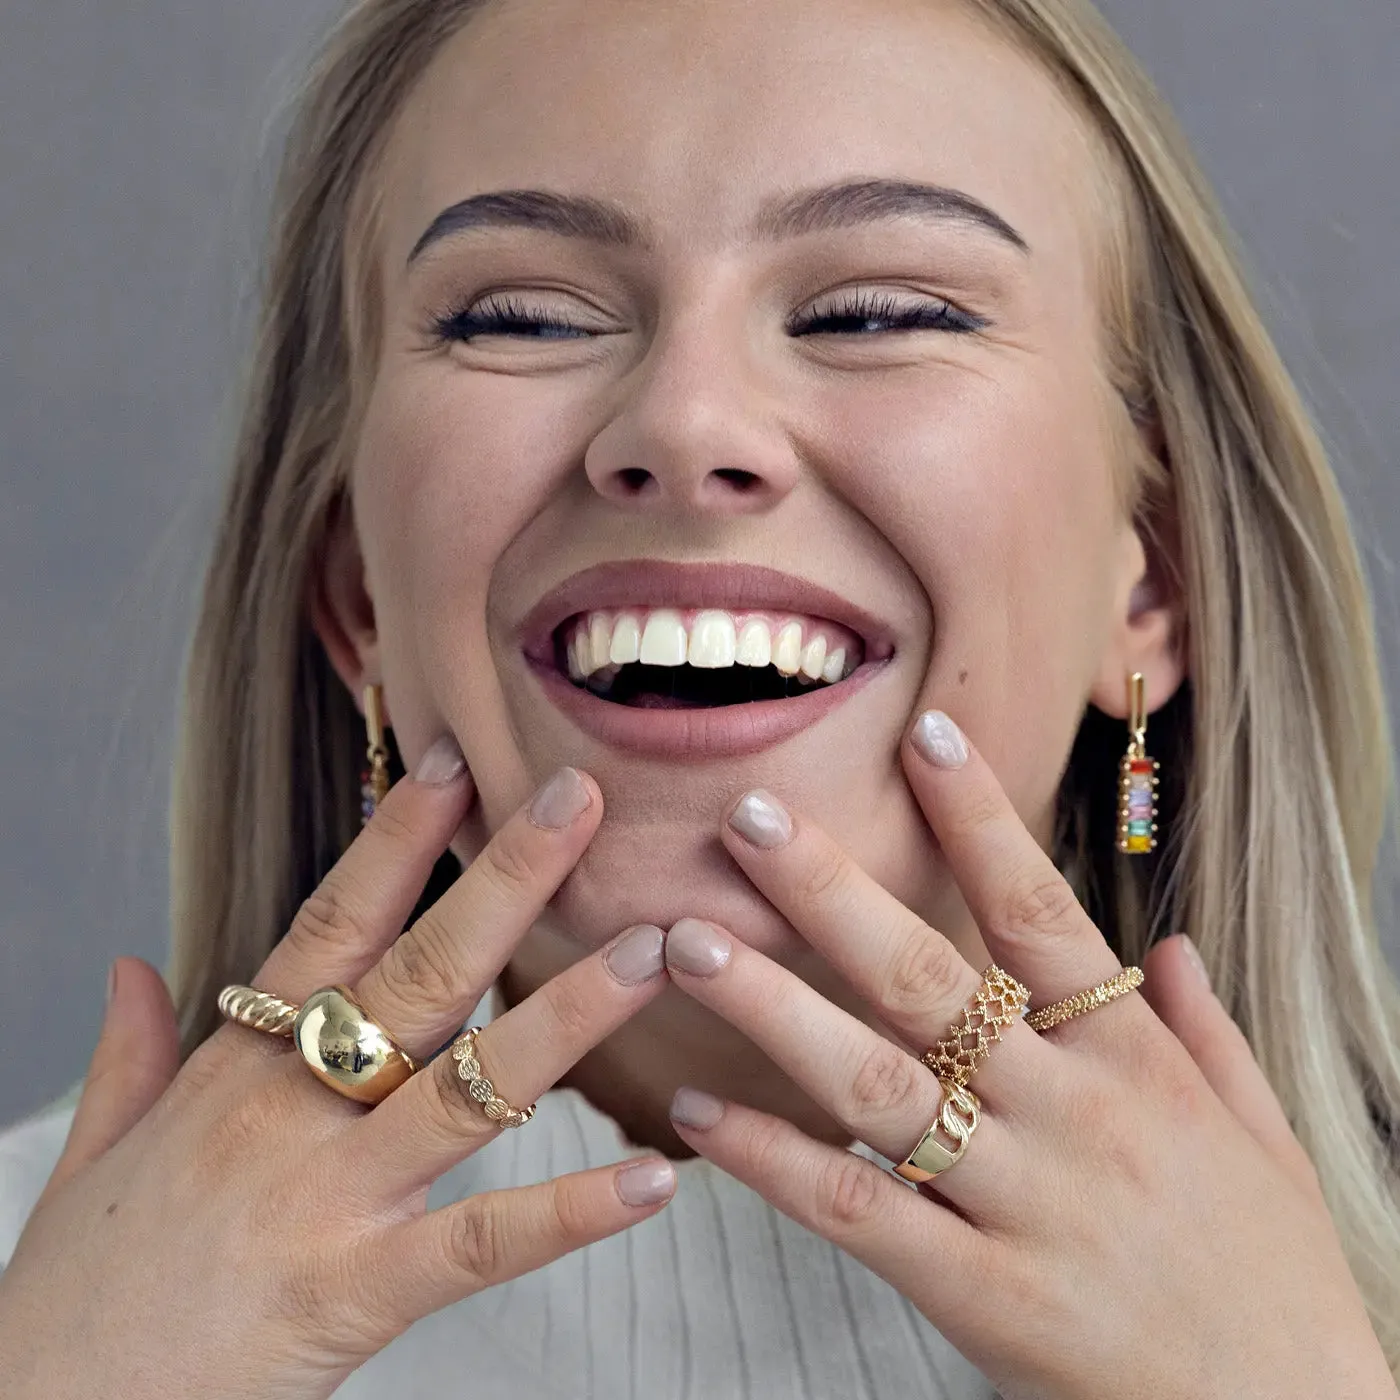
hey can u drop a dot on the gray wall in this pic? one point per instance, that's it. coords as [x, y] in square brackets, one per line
[130, 185]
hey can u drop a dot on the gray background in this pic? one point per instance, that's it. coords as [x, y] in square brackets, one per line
[132, 177]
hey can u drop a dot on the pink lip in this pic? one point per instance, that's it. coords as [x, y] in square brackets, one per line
[726, 731]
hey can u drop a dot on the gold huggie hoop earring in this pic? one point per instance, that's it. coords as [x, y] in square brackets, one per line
[1137, 784]
[374, 780]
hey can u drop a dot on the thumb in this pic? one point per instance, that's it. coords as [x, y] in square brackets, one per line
[137, 1055]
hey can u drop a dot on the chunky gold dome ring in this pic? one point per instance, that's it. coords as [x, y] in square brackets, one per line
[346, 1050]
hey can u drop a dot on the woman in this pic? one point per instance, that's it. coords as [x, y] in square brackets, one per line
[621, 366]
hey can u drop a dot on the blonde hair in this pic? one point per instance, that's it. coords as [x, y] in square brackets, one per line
[1277, 750]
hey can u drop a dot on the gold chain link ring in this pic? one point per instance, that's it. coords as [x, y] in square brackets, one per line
[480, 1088]
[998, 1002]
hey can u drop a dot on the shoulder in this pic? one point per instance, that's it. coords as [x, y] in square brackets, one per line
[28, 1151]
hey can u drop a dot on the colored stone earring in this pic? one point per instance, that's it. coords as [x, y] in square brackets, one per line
[374, 780]
[1137, 786]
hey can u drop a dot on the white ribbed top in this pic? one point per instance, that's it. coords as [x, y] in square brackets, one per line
[719, 1297]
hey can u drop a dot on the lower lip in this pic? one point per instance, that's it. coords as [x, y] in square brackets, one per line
[726, 731]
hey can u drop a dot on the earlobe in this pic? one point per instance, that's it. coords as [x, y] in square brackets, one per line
[1148, 635]
[339, 605]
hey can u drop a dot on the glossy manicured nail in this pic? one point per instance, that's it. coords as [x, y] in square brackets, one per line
[939, 740]
[696, 947]
[442, 762]
[760, 819]
[693, 1108]
[561, 801]
[1193, 956]
[646, 1183]
[637, 955]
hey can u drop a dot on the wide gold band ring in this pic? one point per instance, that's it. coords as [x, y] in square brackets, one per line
[480, 1089]
[344, 1049]
[1116, 986]
[998, 1002]
[959, 1113]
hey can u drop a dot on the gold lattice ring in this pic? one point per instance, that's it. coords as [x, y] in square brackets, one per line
[998, 1002]
[1116, 986]
[480, 1089]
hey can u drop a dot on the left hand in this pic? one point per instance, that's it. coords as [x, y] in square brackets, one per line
[1133, 1216]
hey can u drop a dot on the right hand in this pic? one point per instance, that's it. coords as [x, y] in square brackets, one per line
[234, 1227]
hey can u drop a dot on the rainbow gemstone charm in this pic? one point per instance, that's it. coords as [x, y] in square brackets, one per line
[1137, 782]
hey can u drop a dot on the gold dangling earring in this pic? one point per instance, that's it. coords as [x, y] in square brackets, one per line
[1137, 786]
[374, 780]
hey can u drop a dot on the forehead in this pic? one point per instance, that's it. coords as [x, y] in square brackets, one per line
[692, 113]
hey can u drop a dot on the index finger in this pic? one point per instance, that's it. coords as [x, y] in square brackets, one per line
[1029, 916]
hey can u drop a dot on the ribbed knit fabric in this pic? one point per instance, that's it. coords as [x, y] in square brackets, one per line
[719, 1297]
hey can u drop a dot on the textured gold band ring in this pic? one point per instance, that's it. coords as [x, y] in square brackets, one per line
[1116, 986]
[959, 1113]
[480, 1089]
[999, 1001]
[259, 1010]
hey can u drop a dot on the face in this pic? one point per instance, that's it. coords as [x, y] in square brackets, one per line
[766, 428]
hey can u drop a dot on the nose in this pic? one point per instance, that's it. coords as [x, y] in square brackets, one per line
[696, 434]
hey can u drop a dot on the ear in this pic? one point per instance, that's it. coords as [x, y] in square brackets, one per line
[1148, 630]
[340, 607]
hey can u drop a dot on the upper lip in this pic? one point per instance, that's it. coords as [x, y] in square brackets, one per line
[658, 583]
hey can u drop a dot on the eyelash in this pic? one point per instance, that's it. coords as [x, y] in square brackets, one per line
[465, 324]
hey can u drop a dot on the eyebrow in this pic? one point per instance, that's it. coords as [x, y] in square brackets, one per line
[845, 205]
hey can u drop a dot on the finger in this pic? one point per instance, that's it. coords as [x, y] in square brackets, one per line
[367, 896]
[430, 1123]
[137, 1055]
[451, 1253]
[432, 977]
[1029, 917]
[1178, 990]
[906, 971]
[877, 1091]
[918, 1245]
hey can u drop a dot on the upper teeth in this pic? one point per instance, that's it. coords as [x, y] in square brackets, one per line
[710, 638]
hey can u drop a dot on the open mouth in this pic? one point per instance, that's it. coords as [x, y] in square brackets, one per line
[708, 658]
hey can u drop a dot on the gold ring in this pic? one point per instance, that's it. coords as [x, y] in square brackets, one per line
[259, 1010]
[346, 1050]
[1116, 986]
[999, 1001]
[959, 1113]
[480, 1089]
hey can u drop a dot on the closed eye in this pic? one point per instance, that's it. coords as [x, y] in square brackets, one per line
[862, 314]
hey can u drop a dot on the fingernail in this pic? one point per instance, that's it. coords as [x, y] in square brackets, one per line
[561, 801]
[441, 763]
[111, 983]
[696, 947]
[646, 1183]
[1193, 956]
[637, 955]
[693, 1108]
[759, 818]
[939, 740]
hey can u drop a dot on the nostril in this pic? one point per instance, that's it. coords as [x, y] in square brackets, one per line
[738, 478]
[634, 480]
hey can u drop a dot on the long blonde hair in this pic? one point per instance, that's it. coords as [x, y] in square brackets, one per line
[1277, 749]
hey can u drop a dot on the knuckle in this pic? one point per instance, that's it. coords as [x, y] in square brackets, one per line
[391, 825]
[848, 1194]
[327, 917]
[573, 1212]
[473, 1241]
[887, 1081]
[506, 867]
[421, 965]
[823, 882]
[924, 970]
[457, 1114]
[1043, 908]
[570, 1014]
